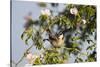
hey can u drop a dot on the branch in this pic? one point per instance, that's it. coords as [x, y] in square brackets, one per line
[27, 50]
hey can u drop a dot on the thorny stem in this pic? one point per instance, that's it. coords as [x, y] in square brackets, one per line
[16, 64]
[19, 61]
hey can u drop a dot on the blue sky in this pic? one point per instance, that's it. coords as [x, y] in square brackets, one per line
[19, 10]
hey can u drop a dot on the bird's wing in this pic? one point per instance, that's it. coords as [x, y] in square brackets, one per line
[52, 37]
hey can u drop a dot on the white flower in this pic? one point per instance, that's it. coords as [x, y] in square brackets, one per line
[41, 56]
[28, 17]
[34, 57]
[29, 56]
[74, 11]
[46, 12]
[84, 21]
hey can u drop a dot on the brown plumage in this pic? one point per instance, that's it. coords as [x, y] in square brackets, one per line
[56, 40]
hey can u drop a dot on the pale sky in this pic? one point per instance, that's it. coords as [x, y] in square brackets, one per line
[19, 10]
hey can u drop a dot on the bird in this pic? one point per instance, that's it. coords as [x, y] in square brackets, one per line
[56, 40]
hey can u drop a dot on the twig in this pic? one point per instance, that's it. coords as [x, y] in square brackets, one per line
[16, 64]
[19, 61]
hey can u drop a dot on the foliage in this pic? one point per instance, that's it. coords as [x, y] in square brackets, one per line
[75, 30]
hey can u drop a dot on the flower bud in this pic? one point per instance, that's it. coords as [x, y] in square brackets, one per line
[29, 56]
[46, 12]
[84, 21]
[74, 11]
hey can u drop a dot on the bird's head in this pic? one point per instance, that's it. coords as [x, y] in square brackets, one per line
[61, 36]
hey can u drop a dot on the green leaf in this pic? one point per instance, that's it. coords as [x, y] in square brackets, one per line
[37, 61]
[91, 47]
[89, 41]
[75, 45]
[75, 38]
[22, 36]
[43, 17]
[78, 60]
[26, 41]
[42, 4]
